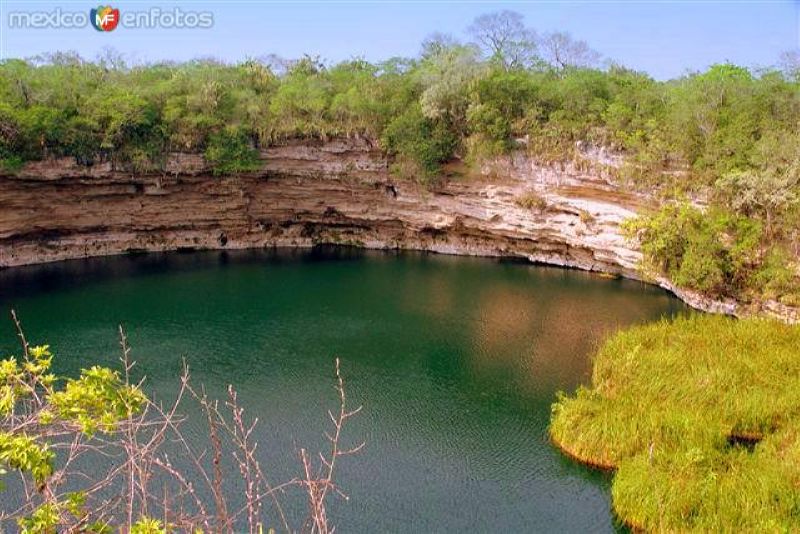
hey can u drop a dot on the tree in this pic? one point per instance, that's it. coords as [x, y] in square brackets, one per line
[437, 43]
[790, 63]
[303, 97]
[420, 143]
[356, 105]
[60, 59]
[562, 51]
[712, 251]
[634, 112]
[499, 104]
[230, 152]
[130, 126]
[111, 59]
[765, 194]
[713, 119]
[504, 38]
[446, 78]
[74, 442]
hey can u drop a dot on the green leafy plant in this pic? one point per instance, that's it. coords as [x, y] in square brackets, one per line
[73, 441]
[419, 140]
[230, 152]
[714, 251]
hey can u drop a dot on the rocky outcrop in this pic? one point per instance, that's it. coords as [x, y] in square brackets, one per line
[335, 192]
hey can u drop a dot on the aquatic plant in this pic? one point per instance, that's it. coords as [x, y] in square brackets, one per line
[699, 416]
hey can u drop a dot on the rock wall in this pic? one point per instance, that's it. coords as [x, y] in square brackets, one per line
[335, 192]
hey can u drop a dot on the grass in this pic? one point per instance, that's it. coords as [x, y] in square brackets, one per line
[531, 200]
[673, 406]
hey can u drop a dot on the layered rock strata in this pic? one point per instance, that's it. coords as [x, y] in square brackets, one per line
[340, 192]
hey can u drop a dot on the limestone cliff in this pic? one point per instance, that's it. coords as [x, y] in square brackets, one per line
[334, 192]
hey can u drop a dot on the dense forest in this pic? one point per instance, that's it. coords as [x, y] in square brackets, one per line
[722, 145]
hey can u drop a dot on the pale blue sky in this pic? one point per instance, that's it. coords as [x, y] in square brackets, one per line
[663, 38]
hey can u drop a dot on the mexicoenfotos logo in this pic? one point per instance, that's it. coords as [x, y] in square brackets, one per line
[104, 18]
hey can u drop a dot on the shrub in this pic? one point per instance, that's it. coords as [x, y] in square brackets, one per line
[531, 200]
[777, 277]
[714, 251]
[409, 168]
[230, 151]
[11, 164]
[77, 441]
[586, 217]
[415, 138]
[490, 132]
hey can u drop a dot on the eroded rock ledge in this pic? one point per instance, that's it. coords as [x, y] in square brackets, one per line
[335, 192]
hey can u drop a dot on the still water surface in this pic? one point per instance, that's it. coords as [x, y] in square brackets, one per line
[455, 360]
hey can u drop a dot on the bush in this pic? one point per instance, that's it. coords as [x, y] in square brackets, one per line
[73, 442]
[491, 131]
[10, 163]
[777, 277]
[531, 200]
[230, 151]
[409, 168]
[415, 138]
[714, 252]
[708, 125]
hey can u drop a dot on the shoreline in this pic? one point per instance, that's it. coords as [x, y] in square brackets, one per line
[338, 192]
[105, 249]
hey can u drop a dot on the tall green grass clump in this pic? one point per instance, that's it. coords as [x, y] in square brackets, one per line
[699, 416]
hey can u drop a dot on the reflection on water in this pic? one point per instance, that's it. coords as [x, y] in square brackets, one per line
[456, 361]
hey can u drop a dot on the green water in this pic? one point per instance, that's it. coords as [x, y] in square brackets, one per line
[455, 360]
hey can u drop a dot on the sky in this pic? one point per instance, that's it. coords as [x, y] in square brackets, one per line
[664, 38]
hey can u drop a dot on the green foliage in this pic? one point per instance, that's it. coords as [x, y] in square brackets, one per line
[710, 124]
[669, 406]
[48, 517]
[230, 152]
[446, 77]
[711, 251]
[765, 194]
[97, 400]
[420, 140]
[16, 377]
[24, 453]
[11, 163]
[358, 104]
[101, 483]
[147, 525]
[44, 520]
[300, 103]
[635, 114]
[491, 131]
[499, 103]
[728, 135]
[776, 277]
